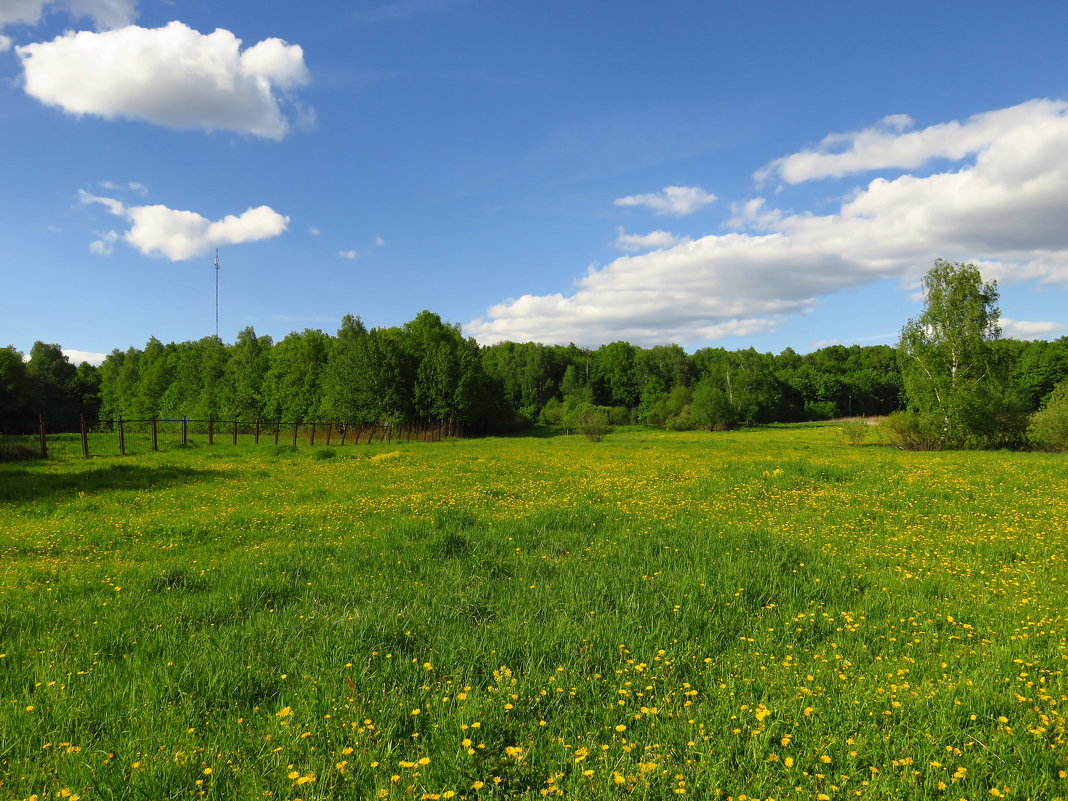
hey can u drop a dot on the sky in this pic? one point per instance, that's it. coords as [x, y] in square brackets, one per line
[762, 174]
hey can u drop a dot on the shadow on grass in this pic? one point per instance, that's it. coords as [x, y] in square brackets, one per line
[29, 485]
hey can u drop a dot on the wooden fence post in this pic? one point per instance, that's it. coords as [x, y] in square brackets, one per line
[155, 439]
[235, 431]
[211, 430]
[344, 433]
[312, 442]
[122, 438]
[329, 431]
[85, 437]
[277, 428]
[257, 431]
[295, 427]
[185, 431]
[44, 438]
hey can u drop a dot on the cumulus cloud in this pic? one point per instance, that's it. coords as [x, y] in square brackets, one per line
[172, 76]
[177, 235]
[677, 201]
[1023, 329]
[1005, 211]
[79, 356]
[348, 254]
[887, 145]
[654, 240]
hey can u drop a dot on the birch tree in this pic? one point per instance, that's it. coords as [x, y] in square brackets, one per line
[952, 376]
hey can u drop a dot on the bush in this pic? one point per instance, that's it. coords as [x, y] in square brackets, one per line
[1048, 430]
[683, 421]
[589, 420]
[551, 412]
[324, 453]
[820, 410]
[912, 431]
[854, 432]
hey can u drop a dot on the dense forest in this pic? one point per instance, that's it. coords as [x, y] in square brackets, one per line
[426, 370]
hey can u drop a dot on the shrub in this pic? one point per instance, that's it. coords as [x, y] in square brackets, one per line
[912, 431]
[324, 453]
[1048, 430]
[854, 432]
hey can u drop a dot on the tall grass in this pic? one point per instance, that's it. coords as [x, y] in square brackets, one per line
[759, 614]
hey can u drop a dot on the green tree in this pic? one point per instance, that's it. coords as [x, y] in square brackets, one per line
[1049, 426]
[953, 379]
[15, 400]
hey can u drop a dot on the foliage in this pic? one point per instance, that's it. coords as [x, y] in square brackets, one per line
[589, 420]
[953, 376]
[854, 432]
[910, 430]
[1049, 426]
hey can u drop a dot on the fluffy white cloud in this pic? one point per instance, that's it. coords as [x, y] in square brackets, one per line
[1024, 329]
[5, 43]
[348, 254]
[886, 145]
[654, 240]
[173, 76]
[178, 235]
[79, 356]
[1005, 212]
[678, 201]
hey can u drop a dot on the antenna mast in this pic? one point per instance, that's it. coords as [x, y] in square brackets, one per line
[216, 293]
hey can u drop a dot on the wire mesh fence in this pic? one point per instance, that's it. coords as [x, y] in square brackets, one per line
[122, 437]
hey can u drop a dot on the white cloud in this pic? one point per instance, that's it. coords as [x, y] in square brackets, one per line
[347, 254]
[105, 245]
[173, 76]
[79, 356]
[314, 231]
[1023, 329]
[1005, 212]
[27, 12]
[886, 145]
[105, 13]
[678, 201]
[379, 241]
[178, 235]
[654, 240]
[5, 43]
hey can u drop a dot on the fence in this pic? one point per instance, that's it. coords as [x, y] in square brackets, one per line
[128, 437]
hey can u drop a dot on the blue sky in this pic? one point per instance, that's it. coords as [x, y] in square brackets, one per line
[765, 173]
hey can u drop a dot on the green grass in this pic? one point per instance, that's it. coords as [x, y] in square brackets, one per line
[649, 616]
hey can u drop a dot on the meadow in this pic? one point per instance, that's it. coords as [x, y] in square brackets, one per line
[770, 613]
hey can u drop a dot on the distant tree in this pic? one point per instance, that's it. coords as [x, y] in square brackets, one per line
[293, 382]
[952, 377]
[616, 375]
[51, 377]
[246, 369]
[15, 402]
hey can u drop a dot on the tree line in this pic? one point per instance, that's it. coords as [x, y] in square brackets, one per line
[426, 370]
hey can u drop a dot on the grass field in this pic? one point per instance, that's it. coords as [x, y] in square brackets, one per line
[760, 614]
